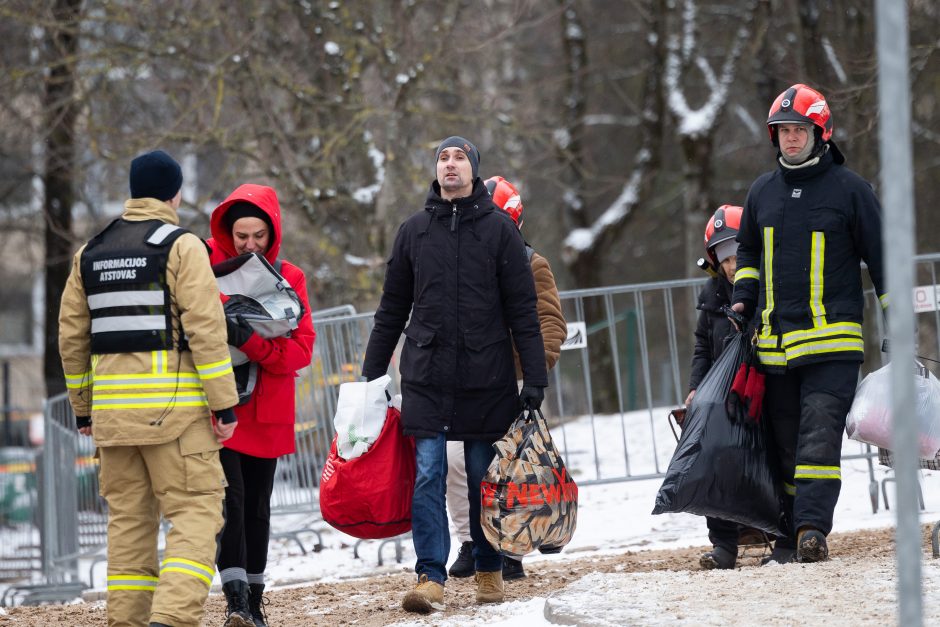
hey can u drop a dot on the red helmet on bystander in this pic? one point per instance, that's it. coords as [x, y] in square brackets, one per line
[506, 197]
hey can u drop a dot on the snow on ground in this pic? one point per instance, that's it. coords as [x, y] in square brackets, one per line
[615, 517]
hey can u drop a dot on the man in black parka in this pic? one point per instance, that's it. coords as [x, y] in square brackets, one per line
[460, 269]
[806, 228]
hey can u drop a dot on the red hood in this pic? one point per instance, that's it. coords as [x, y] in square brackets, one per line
[259, 195]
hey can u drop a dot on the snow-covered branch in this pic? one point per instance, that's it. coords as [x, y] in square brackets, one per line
[698, 122]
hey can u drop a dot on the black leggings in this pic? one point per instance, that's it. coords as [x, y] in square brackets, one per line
[244, 539]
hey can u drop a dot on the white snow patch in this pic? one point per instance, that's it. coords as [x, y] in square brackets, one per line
[562, 137]
[402, 79]
[583, 239]
[332, 48]
[834, 61]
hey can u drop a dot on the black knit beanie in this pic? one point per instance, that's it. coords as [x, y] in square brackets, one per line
[455, 141]
[244, 209]
[155, 175]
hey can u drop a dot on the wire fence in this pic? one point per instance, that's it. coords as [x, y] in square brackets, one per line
[625, 365]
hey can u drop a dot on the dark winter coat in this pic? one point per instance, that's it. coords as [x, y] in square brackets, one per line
[460, 270]
[712, 329]
[266, 421]
[803, 235]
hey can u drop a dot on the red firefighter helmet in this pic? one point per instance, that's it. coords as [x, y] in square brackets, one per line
[723, 225]
[800, 104]
[506, 197]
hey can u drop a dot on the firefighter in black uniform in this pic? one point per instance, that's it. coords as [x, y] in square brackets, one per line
[806, 227]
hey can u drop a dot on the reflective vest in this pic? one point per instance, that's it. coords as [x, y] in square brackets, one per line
[124, 274]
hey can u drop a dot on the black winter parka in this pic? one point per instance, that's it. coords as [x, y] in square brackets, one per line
[712, 329]
[460, 269]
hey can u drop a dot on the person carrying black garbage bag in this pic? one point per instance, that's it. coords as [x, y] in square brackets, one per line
[805, 229]
[460, 270]
[711, 331]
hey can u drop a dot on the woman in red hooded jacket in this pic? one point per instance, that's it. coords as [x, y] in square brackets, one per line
[250, 221]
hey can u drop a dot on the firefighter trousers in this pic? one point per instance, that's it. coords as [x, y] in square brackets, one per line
[182, 480]
[806, 408]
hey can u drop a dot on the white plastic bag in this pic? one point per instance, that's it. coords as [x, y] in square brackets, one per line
[870, 418]
[360, 415]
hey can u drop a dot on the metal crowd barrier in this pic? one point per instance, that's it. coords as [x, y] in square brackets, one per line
[631, 355]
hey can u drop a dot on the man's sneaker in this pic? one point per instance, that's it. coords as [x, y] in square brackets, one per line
[489, 587]
[811, 546]
[463, 566]
[780, 555]
[718, 558]
[512, 569]
[426, 597]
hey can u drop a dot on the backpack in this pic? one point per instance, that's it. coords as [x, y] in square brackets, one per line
[369, 496]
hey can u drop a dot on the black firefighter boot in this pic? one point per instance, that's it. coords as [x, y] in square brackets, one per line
[256, 603]
[237, 614]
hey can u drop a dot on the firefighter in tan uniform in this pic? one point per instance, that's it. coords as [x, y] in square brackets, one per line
[143, 343]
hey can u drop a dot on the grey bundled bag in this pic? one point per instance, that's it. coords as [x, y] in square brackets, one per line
[260, 296]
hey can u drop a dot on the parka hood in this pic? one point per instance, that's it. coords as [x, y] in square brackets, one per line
[262, 196]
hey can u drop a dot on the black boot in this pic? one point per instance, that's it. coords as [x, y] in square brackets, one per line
[718, 558]
[237, 614]
[780, 555]
[512, 569]
[463, 566]
[256, 603]
[811, 546]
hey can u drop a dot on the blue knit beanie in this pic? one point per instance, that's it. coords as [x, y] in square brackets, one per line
[155, 175]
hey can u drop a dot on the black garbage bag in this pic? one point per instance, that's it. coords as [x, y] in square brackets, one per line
[723, 467]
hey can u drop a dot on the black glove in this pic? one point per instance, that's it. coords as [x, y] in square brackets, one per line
[226, 416]
[531, 397]
[239, 331]
[82, 421]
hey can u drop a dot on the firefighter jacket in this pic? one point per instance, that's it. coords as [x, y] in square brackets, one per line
[803, 234]
[153, 391]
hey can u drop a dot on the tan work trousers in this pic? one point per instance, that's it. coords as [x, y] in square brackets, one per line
[183, 481]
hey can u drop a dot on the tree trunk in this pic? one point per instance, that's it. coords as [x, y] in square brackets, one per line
[697, 204]
[61, 111]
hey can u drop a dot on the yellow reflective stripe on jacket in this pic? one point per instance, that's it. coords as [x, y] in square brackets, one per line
[746, 273]
[822, 332]
[817, 472]
[149, 400]
[170, 381]
[188, 567]
[768, 274]
[132, 582]
[816, 262]
[215, 369]
[772, 358]
[789, 489]
[883, 299]
[74, 381]
[820, 347]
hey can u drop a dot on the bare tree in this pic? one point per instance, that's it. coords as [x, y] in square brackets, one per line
[696, 126]
[60, 112]
[592, 237]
